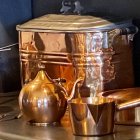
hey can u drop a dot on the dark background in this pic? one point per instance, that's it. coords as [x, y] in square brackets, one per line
[128, 8]
[13, 12]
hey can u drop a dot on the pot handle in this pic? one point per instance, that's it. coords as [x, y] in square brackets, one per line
[129, 104]
[127, 30]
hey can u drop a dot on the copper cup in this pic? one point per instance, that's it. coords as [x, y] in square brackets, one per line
[94, 116]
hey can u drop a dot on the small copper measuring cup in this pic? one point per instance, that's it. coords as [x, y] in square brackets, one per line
[94, 116]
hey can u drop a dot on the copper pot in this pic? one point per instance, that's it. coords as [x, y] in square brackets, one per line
[94, 116]
[100, 48]
[129, 116]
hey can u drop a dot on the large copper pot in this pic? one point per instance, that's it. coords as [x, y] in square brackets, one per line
[100, 48]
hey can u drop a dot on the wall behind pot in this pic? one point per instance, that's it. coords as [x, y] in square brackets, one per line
[128, 8]
[12, 12]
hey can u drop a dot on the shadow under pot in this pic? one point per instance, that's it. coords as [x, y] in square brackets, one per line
[94, 116]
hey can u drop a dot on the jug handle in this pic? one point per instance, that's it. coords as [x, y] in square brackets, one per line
[128, 104]
[79, 80]
[71, 96]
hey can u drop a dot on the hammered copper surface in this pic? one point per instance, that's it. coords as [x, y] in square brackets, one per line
[103, 59]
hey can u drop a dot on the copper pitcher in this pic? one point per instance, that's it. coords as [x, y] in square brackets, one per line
[42, 101]
[94, 116]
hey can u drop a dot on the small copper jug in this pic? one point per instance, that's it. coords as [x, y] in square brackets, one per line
[44, 100]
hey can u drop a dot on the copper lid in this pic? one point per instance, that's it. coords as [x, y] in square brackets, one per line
[72, 23]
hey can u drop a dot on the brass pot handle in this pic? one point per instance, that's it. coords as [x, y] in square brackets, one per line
[129, 104]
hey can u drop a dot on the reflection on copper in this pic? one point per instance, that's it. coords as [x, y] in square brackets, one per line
[41, 100]
[39, 46]
[92, 58]
[44, 100]
[101, 51]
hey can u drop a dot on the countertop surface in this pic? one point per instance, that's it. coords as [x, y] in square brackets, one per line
[19, 129]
